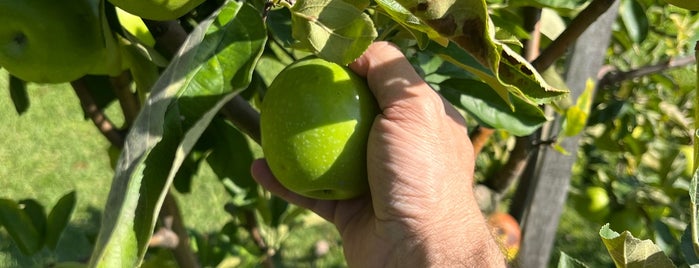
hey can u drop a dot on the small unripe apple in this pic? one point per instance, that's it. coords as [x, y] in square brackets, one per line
[593, 204]
[315, 121]
[50, 41]
[157, 9]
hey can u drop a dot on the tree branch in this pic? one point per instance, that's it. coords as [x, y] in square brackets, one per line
[169, 36]
[581, 22]
[170, 213]
[532, 17]
[129, 103]
[243, 116]
[101, 121]
[610, 76]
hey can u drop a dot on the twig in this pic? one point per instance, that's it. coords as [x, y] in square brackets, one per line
[251, 225]
[581, 22]
[170, 214]
[532, 17]
[611, 77]
[169, 36]
[243, 116]
[101, 121]
[127, 100]
[249, 222]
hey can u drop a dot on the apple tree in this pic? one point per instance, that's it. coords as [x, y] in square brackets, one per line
[189, 77]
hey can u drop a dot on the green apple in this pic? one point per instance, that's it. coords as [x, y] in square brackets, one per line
[157, 9]
[50, 42]
[315, 121]
[593, 204]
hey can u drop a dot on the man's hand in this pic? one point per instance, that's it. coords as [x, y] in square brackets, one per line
[421, 210]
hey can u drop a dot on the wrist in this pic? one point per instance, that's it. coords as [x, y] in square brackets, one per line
[457, 243]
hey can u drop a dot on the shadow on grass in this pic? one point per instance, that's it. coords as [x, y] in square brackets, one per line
[75, 244]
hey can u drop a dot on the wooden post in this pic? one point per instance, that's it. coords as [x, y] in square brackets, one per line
[547, 192]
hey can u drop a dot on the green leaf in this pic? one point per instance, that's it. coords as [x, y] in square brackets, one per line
[213, 65]
[576, 116]
[459, 57]
[230, 158]
[628, 251]
[688, 4]
[687, 249]
[694, 209]
[268, 68]
[402, 16]
[566, 261]
[58, 219]
[333, 29]
[467, 24]
[635, 20]
[189, 167]
[19, 225]
[488, 108]
[37, 216]
[516, 71]
[18, 94]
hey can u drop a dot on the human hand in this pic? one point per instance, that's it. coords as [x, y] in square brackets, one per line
[421, 209]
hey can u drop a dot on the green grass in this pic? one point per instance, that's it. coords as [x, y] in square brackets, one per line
[46, 153]
[52, 150]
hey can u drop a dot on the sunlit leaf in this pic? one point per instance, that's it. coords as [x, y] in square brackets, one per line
[467, 24]
[401, 15]
[333, 29]
[213, 65]
[576, 116]
[566, 261]
[628, 251]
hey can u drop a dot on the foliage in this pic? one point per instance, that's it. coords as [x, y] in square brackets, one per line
[188, 94]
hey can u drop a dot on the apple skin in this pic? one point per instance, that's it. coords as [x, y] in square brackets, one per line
[46, 41]
[507, 233]
[593, 204]
[159, 10]
[315, 121]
